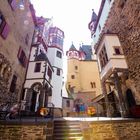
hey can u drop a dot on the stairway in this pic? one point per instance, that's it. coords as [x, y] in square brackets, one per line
[67, 130]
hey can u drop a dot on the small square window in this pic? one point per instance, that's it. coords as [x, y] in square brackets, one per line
[76, 67]
[37, 67]
[117, 50]
[72, 76]
[59, 54]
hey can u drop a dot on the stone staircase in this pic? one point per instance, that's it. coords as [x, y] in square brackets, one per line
[67, 130]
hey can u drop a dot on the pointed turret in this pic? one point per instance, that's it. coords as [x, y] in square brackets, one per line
[72, 52]
[92, 23]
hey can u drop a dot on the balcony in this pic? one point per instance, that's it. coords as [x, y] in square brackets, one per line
[113, 63]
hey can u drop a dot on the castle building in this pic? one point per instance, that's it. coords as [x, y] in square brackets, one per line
[83, 80]
[113, 46]
[55, 55]
[16, 31]
[43, 83]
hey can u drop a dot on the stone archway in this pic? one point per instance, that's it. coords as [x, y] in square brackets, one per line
[34, 96]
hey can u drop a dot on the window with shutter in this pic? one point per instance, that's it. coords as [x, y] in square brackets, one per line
[22, 57]
[4, 27]
[13, 4]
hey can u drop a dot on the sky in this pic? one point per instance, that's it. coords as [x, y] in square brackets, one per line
[71, 16]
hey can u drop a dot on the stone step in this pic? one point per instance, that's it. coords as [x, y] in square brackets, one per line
[68, 138]
[65, 130]
[74, 134]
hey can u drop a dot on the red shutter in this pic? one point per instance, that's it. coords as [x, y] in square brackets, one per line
[5, 31]
[13, 4]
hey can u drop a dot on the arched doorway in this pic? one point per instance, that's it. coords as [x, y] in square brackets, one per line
[34, 102]
[130, 98]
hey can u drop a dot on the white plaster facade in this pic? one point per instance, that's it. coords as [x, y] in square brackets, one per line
[110, 41]
[57, 63]
[102, 19]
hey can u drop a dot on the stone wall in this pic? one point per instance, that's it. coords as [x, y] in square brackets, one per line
[27, 131]
[111, 130]
[124, 19]
[21, 28]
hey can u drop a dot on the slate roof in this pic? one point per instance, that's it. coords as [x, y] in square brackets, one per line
[41, 57]
[72, 48]
[87, 51]
[94, 16]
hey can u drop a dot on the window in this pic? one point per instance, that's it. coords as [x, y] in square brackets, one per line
[37, 67]
[99, 27]
[22, 57]
[59, 54]
[117, 50]
[13, 84]
[76, 67]
[58, 72]
[93, 84]
[103, 57]
[68, 103]
[49, 72]
[4, 27]
[72, 77]
[12, 4]
[122, 3]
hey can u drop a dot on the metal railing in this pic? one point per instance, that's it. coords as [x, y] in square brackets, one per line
[24, 113]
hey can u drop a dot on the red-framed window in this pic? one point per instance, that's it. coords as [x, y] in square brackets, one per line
[22, 57]
[4, 27]
[13, 4]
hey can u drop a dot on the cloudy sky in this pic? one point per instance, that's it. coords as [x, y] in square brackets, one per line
[72, 16]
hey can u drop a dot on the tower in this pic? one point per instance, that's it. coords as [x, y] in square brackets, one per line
[73, 56]
[83, 82]
[55, 55]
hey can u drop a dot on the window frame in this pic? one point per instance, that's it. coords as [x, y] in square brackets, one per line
[72, 76]
[58, 54]
[37, 67]
[115, 52]
[58, 72]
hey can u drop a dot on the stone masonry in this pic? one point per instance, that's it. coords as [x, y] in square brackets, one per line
[21, 28]
[124, 19]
